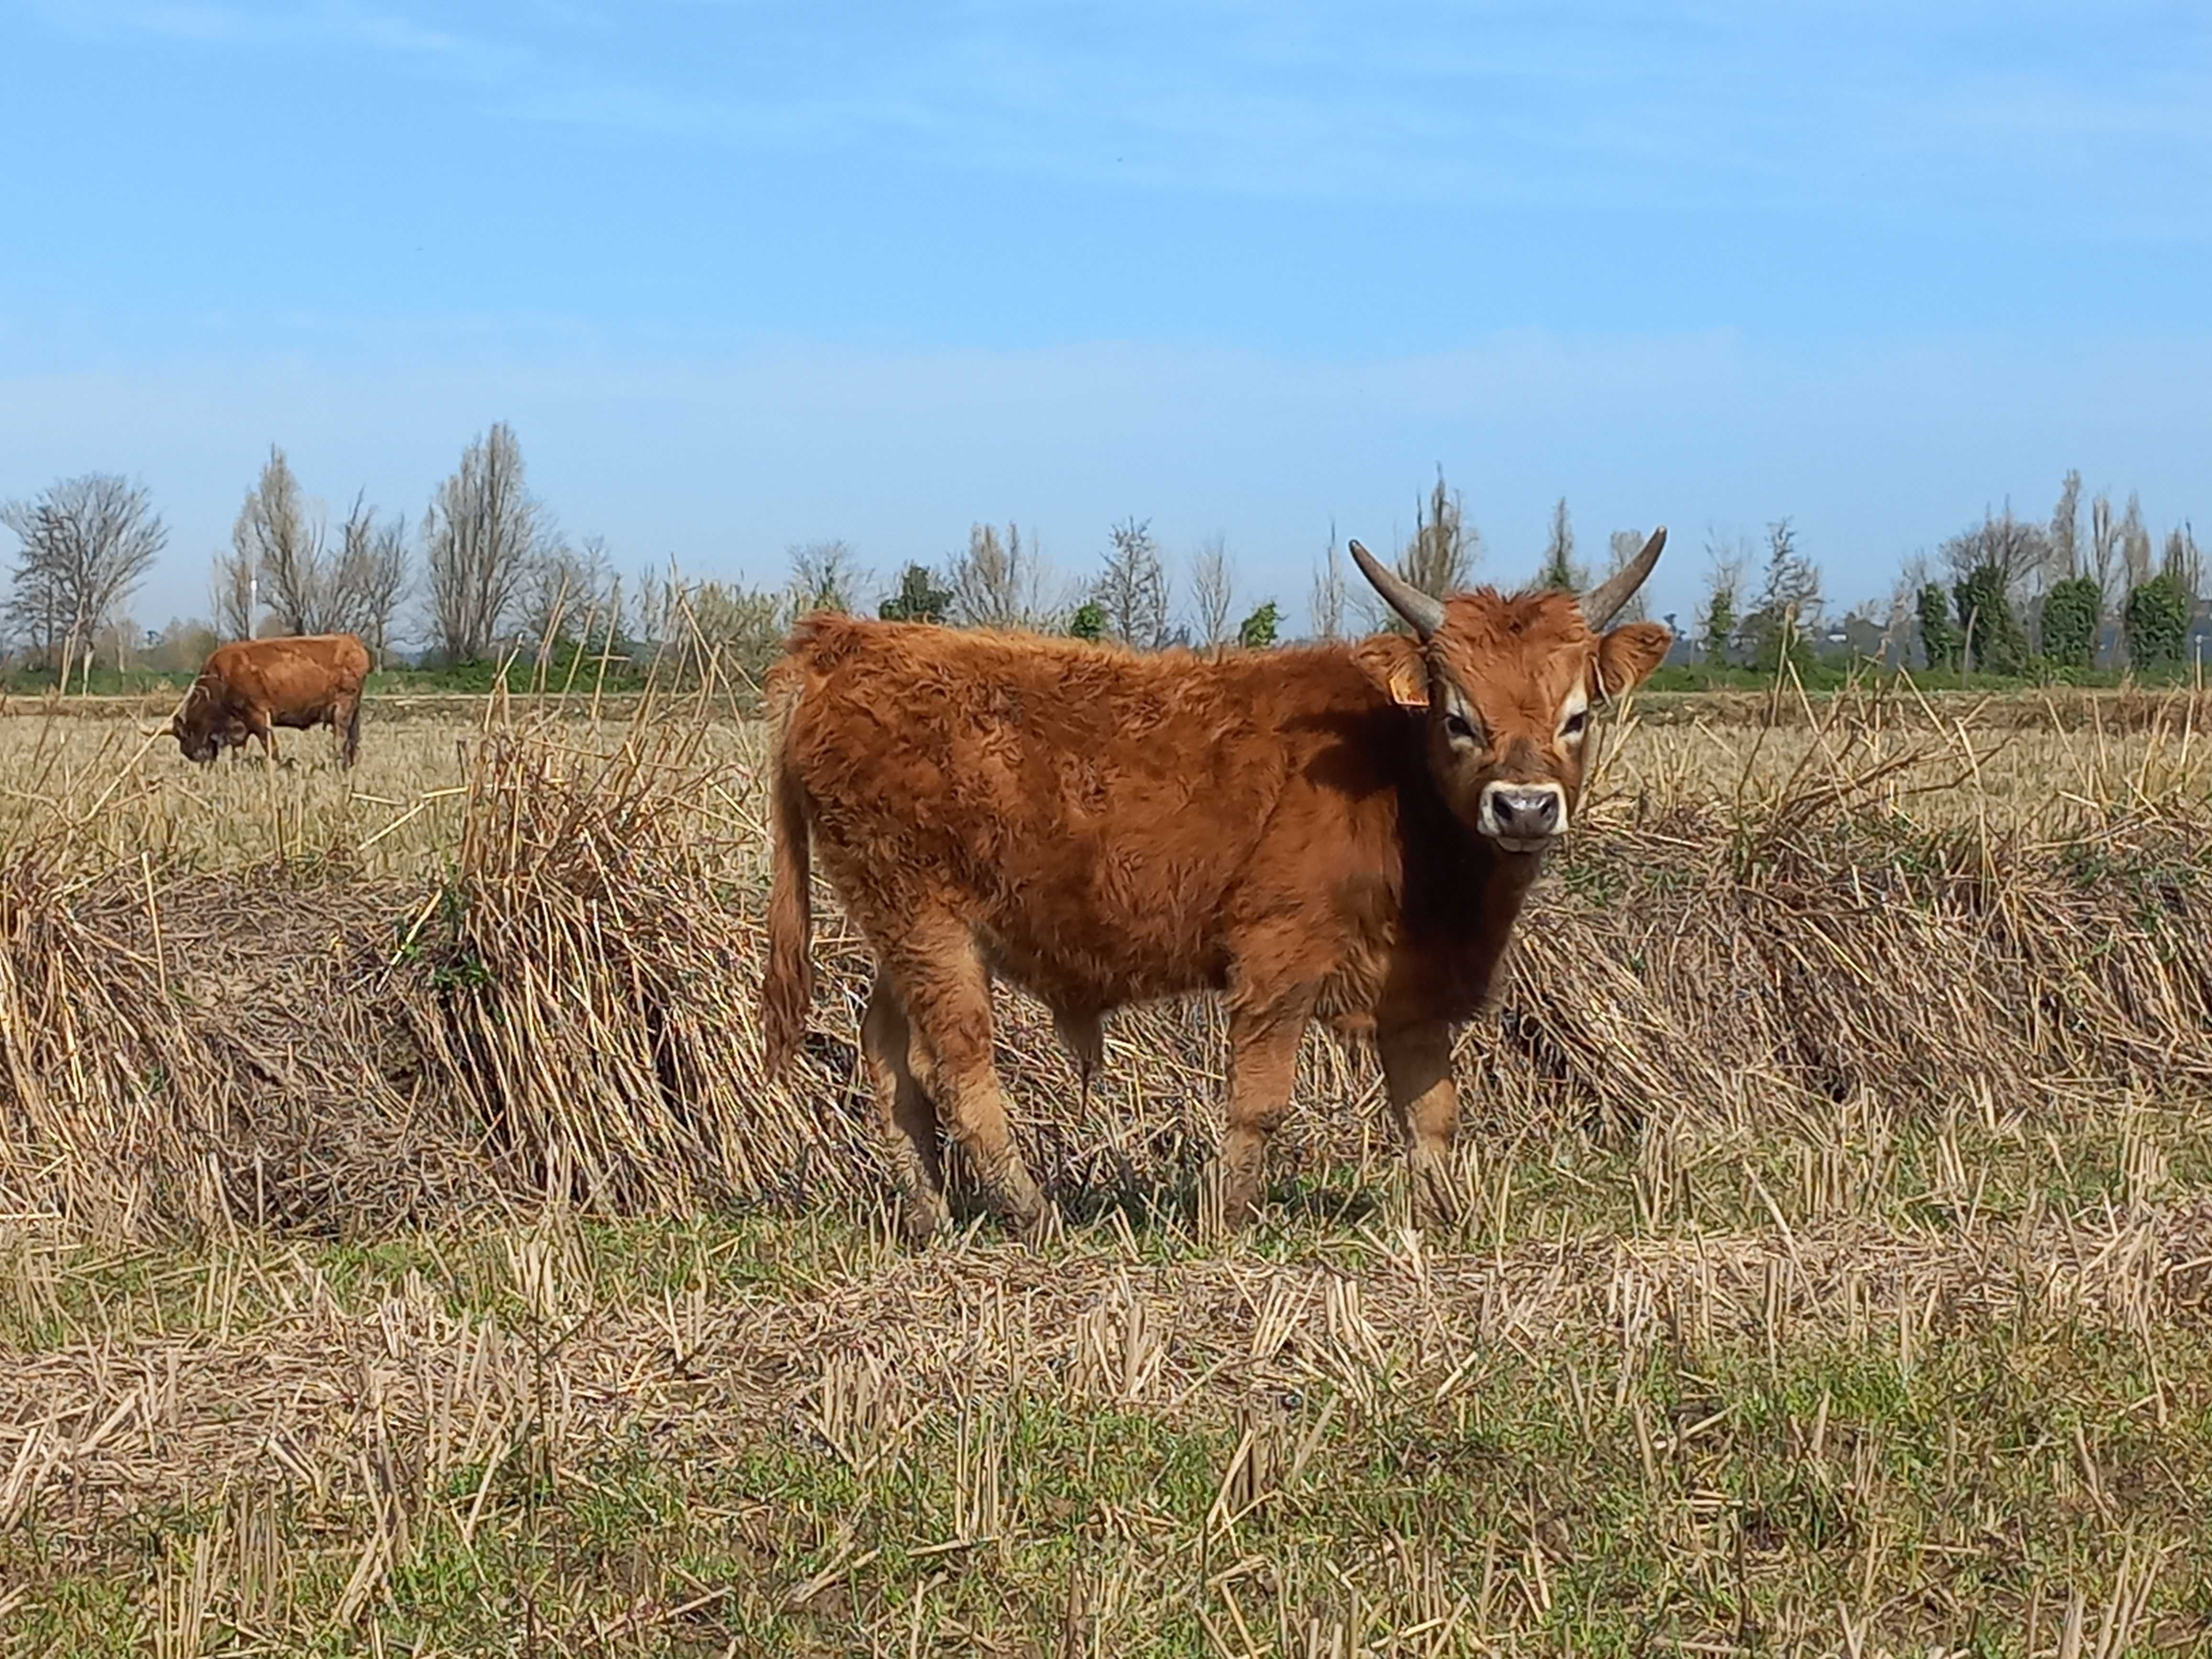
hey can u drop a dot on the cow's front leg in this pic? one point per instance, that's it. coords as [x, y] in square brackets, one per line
[1263, 1064]
[1417, 1068]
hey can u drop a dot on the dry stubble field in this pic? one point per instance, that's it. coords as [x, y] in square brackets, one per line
[400, 1252]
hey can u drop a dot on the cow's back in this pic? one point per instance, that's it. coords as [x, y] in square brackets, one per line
[1095, 815]
[298, 675]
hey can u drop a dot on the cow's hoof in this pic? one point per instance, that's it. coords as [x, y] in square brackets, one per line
[1435, 1201]
[1229, 1198]
[919, 1218]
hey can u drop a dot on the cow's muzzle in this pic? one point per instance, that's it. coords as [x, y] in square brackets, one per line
[1523, 817]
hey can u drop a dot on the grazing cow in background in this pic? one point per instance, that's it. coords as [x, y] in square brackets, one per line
[249, 688]
[1342, 831]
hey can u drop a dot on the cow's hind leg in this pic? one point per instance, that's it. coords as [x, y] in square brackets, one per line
[345, 726]
[1263, 1063]
[1417, 1068]
[905, 1114]
[946, 990]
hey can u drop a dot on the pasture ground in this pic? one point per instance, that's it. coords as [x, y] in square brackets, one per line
[399, 1252]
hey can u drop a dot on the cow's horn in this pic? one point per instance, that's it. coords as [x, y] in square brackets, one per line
[1602, 603]
[1424, 612]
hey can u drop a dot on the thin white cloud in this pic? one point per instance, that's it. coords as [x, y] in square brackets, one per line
[1976, 109]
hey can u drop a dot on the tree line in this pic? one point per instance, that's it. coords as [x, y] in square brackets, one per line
[2006, 596]
[486, 572]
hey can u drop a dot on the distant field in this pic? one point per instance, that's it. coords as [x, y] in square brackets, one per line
[400, 1250]
[2044, 760]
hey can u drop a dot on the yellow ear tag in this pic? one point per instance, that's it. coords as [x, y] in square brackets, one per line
[1408, 686]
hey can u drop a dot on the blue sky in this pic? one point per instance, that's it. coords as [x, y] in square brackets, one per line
[744, 272]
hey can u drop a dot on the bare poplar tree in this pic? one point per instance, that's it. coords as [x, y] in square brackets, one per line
[1326, 603]
[86, 544]
[2183, 562]
[482, 530]
[2105, 562]
[231, 592]
[371, 577]
[1559, 568]
[1212, 590]
[2065, 541]
[1000, 582]
[2135, 544]
[279, 535]
[1441, 557]
[1132, 590]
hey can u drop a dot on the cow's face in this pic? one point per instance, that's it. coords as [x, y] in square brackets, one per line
[1512, 684]
[199, 742]
[194, 728]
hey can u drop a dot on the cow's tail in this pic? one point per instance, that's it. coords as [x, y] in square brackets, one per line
[788, 983]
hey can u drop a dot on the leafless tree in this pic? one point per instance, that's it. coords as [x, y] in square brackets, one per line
[1441, 557]
[740, 628]
[182, 646]
[2105, 560]
[1327, 602]
[279, 536]
[1788, 602]
[565, 590]
[233, 594]
[1213, 591]
[2183, 561]
[1132, 591]
[371, 576]
[825, 575]
[1624, 545]
[2135, 544]
[480, 535]
[86, 544]
[2065, 539]
[1720, 614]
[1559, 568]
[2016, 550]
[1000, 581]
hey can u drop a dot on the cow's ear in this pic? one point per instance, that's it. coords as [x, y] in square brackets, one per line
[1626, 656]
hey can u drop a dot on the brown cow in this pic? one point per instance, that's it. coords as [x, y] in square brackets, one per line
[1344, 832]
[248, 688]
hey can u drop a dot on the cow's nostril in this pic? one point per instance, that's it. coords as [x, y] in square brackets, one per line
[1527, 811]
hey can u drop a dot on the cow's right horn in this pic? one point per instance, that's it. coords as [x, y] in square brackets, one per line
[1424, 612]
[1602, 603]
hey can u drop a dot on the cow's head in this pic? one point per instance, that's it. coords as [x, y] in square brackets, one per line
[1512, 683]
[195, 728]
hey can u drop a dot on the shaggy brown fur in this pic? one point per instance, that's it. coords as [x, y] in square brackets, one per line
[251, 686]
[1296, 829]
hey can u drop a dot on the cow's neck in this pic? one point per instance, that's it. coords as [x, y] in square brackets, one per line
[1463, 896]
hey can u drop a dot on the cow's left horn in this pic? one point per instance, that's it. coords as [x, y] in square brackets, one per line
[1424, 612]
[1602, 603]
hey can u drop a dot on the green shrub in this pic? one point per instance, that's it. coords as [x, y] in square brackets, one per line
[2071, 612]
[1995, 642]
[1258, 631]
[2156, 621]
[1939, 634]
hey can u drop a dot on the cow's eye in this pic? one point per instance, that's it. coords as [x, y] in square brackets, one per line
[1457, 728]
[1572, 726]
